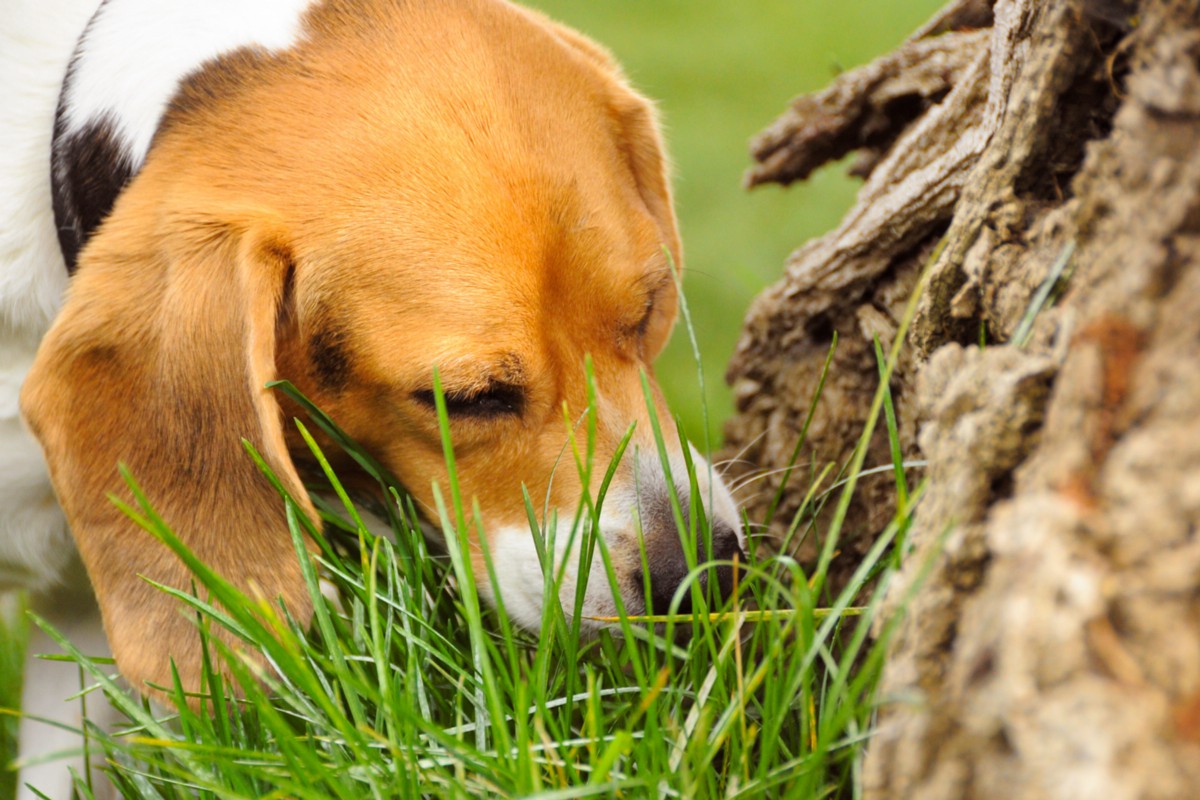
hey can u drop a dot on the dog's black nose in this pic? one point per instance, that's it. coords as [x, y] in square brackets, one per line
[669, 567]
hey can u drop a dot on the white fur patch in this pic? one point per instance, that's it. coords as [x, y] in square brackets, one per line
[37, 38]
[522, 583]
[515, 554]
[136, 52]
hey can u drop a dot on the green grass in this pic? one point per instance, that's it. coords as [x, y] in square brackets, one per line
[406, 686]
[13, 633]
[721, 71]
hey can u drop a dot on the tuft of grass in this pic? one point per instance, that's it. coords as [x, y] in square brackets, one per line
[407, 686]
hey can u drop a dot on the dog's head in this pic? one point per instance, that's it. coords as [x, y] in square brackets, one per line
[463, 186]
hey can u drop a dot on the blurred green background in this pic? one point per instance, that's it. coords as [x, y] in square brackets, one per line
[721, 71]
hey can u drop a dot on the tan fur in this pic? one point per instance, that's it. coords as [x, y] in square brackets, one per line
[463, 184]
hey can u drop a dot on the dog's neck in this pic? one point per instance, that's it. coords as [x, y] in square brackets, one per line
[127, 65]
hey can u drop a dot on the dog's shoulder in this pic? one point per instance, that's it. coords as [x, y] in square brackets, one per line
[131, 61]
[84, 85]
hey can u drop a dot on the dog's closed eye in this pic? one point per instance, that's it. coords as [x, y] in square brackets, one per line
[495, 400]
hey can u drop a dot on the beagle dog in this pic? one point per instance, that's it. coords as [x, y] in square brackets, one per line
[201, 198]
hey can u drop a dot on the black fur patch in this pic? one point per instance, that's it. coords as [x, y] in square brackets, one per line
[89, 168]
[330, 357]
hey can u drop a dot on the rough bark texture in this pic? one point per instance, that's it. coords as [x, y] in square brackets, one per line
[1053, 650]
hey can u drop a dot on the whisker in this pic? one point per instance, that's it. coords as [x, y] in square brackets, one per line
[917, 464]
[722, 468]
[768, 473]
[738, 455]
[745, 501]
[864, 473]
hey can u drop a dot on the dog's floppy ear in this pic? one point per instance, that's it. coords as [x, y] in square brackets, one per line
[641, 142]
[158, 361]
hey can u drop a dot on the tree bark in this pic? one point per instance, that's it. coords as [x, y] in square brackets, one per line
[1033, 170]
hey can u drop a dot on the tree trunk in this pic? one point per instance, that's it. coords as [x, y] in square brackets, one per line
[1033, 170]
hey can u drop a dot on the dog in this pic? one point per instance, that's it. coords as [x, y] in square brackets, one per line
[345, 194]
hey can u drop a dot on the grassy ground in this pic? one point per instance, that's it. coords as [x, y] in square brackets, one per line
[721, 71]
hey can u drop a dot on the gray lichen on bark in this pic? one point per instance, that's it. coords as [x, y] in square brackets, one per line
[1054, 647]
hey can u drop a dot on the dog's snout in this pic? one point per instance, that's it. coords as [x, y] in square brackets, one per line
[668, 567]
